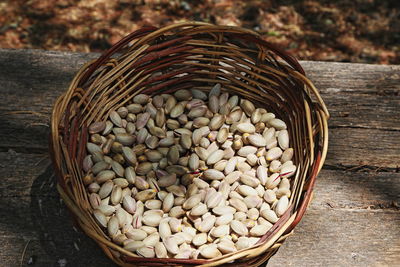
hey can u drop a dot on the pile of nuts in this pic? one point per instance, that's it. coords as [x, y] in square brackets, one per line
[188, 175]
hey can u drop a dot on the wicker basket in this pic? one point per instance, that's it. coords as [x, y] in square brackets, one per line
[187, 55]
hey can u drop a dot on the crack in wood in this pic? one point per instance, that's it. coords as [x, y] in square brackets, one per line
[361, 168]
[388, 206]
[364, 127]
[24, 149]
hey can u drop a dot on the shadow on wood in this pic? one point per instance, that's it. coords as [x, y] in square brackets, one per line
[22, 134]
[59, 238]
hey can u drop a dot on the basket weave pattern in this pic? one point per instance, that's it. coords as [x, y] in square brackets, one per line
[183, 56]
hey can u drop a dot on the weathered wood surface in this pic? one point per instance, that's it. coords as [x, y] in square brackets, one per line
[362, 99]
[354, 217]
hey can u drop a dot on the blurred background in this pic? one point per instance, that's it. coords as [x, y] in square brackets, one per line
[365, 31]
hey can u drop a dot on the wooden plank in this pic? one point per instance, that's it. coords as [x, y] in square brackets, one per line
[357, 94]
[353, 190]
[357, 146]
[363, 111]
[32, 211]
[363, 100]
[343, 238]
[347, 146]
[30, 82]
[336, 229]
[356, 190]
[354, 78]
[50, 73]
[33, 79]
[323, 238]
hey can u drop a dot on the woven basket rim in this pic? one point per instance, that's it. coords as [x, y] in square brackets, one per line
[62, 126]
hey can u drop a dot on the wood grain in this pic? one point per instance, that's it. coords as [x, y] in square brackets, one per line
[343, 238]
[358, 95]
[354, 78]
[350, 211]
[352, 190]
[352, 221]
[357, 146]
[362, 99]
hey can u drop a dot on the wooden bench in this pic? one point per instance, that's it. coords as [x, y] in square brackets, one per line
[354, 219]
